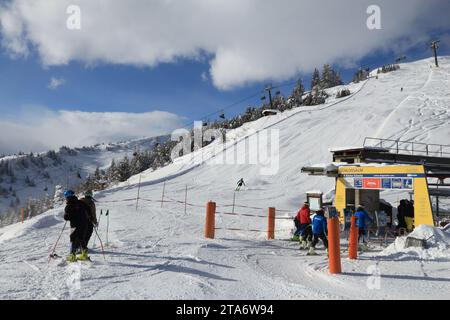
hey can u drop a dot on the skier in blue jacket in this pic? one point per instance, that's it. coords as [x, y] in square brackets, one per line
[319, 229]
[361, 222]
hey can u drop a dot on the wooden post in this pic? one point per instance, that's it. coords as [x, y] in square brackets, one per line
[353, 240]
[334, 246]
[210, 223]
[22, 213]
[164, 190]
[139, 189]
[271, 224]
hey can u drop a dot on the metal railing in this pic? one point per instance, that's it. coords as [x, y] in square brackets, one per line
[409, 147]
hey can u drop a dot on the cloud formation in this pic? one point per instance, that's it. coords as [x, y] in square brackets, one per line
[244, 40]
[55, 83]
[40, 129]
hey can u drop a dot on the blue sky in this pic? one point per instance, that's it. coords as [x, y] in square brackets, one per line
[188, 59]
[178, 88]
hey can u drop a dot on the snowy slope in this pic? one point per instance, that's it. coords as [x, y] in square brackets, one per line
[64, 172]
[159, 252]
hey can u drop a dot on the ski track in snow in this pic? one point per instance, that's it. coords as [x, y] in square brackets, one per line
[160, 253]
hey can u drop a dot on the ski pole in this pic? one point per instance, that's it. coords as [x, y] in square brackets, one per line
[56, 243]
[101, 244]
[98, 224]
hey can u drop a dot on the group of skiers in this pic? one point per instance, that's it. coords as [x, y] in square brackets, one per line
[310, 228]
[405, 215]
[81, 213]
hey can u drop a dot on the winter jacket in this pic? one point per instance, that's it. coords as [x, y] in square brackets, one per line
[77, 213]
[303, 215]
[319, 224]
[362, 218]
[90, 204]
[409, 212]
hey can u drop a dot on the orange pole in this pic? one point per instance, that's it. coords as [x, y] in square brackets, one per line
[334, 246]
[22, 213]
[353, 240]
[271, 224]
[210, 223]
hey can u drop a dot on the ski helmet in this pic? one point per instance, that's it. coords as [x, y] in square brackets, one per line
[88, 194]
[68, 194]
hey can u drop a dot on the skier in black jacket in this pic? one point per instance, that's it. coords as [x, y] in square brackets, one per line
[76, 213]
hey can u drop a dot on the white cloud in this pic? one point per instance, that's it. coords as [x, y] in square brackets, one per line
[55, 83]
[246, 40]
[40, 129]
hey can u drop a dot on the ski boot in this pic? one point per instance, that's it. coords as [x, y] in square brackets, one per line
[71, 257]
[84, 255]
[295, 238]
[303, 245]
[311, 252]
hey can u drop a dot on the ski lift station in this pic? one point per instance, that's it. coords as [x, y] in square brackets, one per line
[389, 165]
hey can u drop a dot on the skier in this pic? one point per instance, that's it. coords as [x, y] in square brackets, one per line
[319, 230]
[88, 200]
[76, 212]
[361, 219]
[297, 221]
[240, 183]
[305, 231]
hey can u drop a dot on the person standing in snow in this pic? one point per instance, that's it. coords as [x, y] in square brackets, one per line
[76, 212]
[409, 215]
[240, 184]
[401, 214]
[319, 230]
[361, 220]
[88, 200]
[305, 231]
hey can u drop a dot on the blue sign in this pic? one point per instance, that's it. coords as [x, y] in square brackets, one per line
[407, 183]
[358, 183]
[386, 183]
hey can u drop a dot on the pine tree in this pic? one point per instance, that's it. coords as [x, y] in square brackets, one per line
[297, 94]
[326, 80]
[315, 79]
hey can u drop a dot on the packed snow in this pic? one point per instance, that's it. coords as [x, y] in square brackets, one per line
[437, 245]
[156, 250]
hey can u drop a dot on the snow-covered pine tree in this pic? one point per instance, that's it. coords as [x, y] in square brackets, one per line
[315, 81]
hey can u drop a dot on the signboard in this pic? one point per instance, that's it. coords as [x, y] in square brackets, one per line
[372, 183]
[404, 183]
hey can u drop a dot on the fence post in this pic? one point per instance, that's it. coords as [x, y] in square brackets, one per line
[185, 200]
[271, 224]
[210, 223]
[334, 246]
[22, 213]
[139, 189]
[164, 190]
[234, 200]
[353, 240]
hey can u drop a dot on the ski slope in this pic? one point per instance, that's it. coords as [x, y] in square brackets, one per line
[82, 161]
[158, 251]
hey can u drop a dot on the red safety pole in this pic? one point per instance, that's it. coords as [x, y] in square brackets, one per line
[353, 240]
[334, 246]
[210, 223]
[22, 213]
[271, 224]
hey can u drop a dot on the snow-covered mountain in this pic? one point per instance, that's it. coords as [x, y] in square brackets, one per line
[34, 176]
[158, 250]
